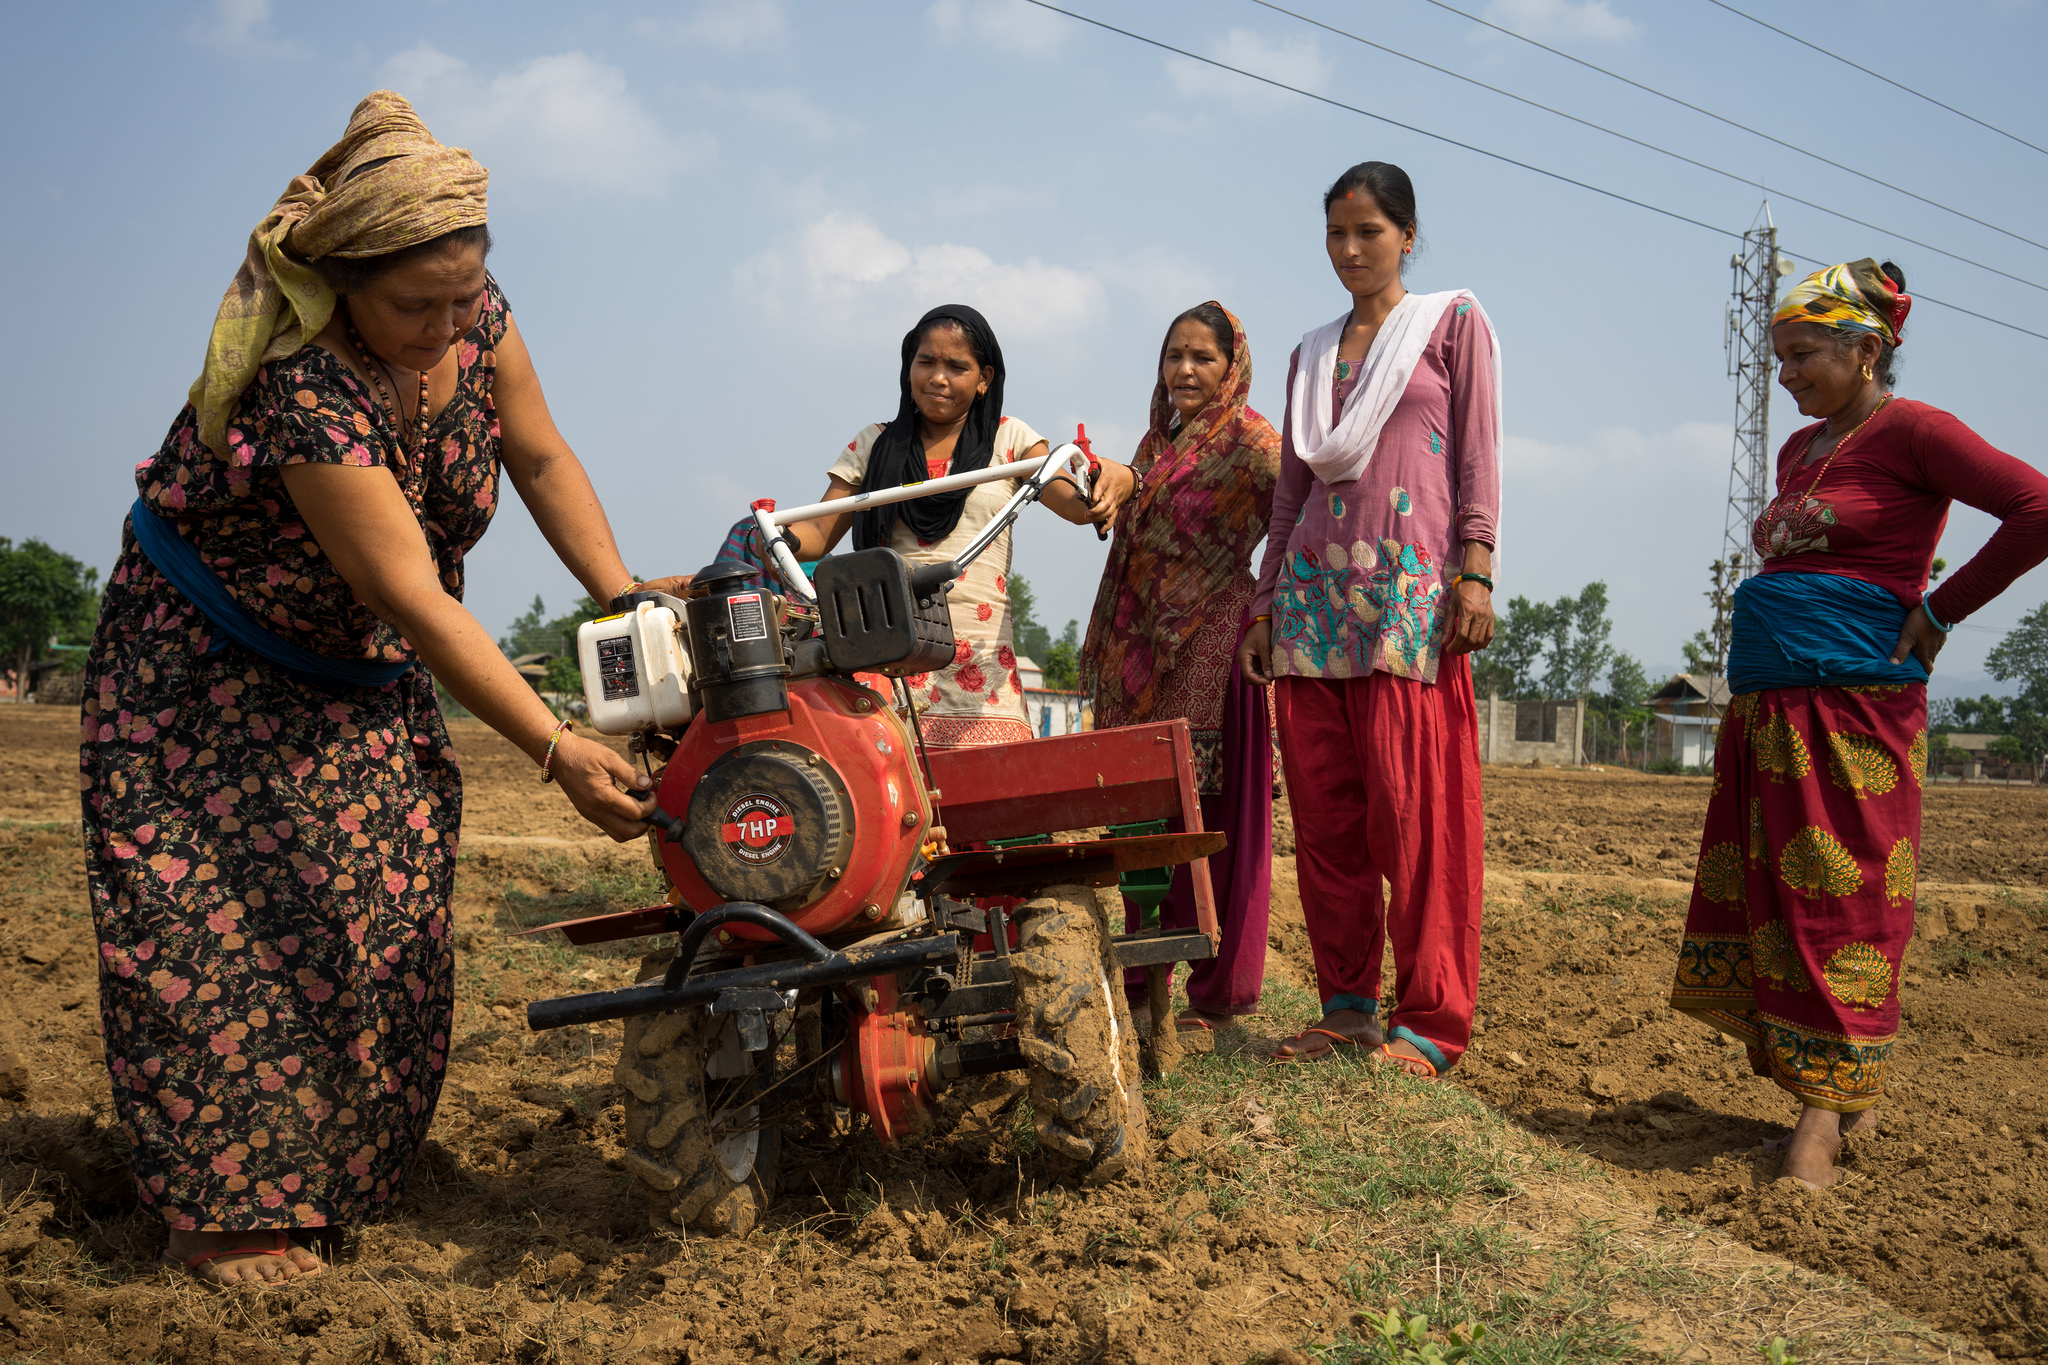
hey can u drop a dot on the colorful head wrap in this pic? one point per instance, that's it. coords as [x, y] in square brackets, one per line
[385, 186]
[1855, 297]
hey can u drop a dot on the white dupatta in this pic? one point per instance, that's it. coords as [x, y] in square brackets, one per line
[1338, 451]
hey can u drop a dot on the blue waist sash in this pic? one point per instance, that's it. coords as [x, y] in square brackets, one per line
[178, 561]
[1815, 630]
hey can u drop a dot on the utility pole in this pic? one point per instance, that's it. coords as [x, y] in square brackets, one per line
[1751, 365]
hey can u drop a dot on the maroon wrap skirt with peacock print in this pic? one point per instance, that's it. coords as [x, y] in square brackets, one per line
[1803, 902]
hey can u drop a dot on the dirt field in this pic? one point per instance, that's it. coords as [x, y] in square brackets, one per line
[1579, 1189]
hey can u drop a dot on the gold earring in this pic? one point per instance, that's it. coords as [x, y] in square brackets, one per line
[1867, 375]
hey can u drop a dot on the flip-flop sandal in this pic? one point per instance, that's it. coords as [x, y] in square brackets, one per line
[1417, 1067]
[197, 1266]
[1195, 1023]
[1338, 1042]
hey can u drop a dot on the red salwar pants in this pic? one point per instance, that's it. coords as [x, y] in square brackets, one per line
[1383, 782]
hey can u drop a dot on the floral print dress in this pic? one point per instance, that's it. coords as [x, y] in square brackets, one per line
[979, 698]
[270, 862]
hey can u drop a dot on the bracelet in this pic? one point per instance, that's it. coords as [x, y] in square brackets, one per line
[631, 584]
[1478, 578]
[1926, 606]
[1263, 616]
[547, 764]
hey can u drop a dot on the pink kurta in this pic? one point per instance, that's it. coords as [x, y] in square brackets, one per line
[1353, 574]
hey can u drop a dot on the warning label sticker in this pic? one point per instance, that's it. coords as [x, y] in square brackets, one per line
[615, 668]
[757, 829]
[749, 619]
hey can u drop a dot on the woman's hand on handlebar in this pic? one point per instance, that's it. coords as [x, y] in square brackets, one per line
[1255, 654]
[590, 775]
[675, 585]
[1114, 484]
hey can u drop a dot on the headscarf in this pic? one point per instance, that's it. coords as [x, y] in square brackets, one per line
[1854, 297]
[1185, 542]
[897, 456]
[411, 190]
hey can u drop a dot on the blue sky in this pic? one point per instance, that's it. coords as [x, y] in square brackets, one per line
[716, 220]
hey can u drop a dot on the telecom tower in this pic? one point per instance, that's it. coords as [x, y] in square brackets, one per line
[1750, 365]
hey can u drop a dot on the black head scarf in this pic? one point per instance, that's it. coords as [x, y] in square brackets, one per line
[898, 457]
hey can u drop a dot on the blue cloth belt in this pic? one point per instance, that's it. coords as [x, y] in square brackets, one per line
[178, 561]
[1815, 630]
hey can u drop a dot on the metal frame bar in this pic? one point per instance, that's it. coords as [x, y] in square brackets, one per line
[1071, 458]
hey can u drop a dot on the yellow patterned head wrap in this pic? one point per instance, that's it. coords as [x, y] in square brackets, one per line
[1855, 297]
[410, 189]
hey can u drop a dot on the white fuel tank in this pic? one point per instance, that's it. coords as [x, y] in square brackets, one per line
[636, 670]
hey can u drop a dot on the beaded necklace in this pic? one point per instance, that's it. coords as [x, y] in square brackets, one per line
[1771, 512]
[411, 444]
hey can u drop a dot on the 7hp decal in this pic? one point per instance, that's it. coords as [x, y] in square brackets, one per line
[757, 829]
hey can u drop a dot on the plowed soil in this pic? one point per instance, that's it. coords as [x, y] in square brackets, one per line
[521, 1239]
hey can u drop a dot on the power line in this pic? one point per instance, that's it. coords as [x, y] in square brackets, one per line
[1649, 146]
[1876, 75]
[1479, 151]
[1722, 118]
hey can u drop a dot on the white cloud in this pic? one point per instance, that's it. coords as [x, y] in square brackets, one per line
[567, 118]
[727, 25]
[844, 273]
[1554, 19]
[1295, 61]
[1011, 25]
[1623, 454]
[241, 28]
[788, 109]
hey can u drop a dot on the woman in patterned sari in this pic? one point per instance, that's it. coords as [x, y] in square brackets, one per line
[1803, 902]
[950, 420]
[271, 803]
[1175, 599]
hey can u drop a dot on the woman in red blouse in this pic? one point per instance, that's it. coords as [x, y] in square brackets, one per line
[1803, 902]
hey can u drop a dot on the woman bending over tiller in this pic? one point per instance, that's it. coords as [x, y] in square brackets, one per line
[271, 803]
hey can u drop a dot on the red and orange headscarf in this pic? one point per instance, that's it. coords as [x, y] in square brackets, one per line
[1854, 297]
[1187, 539]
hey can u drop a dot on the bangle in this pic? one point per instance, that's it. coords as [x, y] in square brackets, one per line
[1262, 616]
[631, 584]
[1927, 607]
[1478, 578]
[547, 764]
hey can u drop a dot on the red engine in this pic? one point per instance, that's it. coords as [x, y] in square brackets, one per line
[816, 811]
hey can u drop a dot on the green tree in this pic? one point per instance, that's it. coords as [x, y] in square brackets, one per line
[1062, 663]
[1701, 655]
[2022, 657]
[1032, 639]
[535, 632]
[1582, 642]
[44, 595]
[1622, 710]
[1508, 666]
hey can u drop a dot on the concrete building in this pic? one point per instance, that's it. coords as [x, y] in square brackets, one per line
[1525, 732]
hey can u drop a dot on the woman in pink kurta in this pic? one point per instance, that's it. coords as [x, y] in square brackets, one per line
[1374, 586]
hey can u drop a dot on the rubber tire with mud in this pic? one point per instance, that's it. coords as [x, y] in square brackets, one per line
[1074, 1027]
[671, 1147]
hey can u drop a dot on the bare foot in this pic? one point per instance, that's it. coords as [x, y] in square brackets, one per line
[1862, 1122]
[1811, 1150]
[255, 1267]
[1361, 1028]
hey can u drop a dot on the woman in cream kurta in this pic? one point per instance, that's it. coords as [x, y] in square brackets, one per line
[949, 420]
[978, 698]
